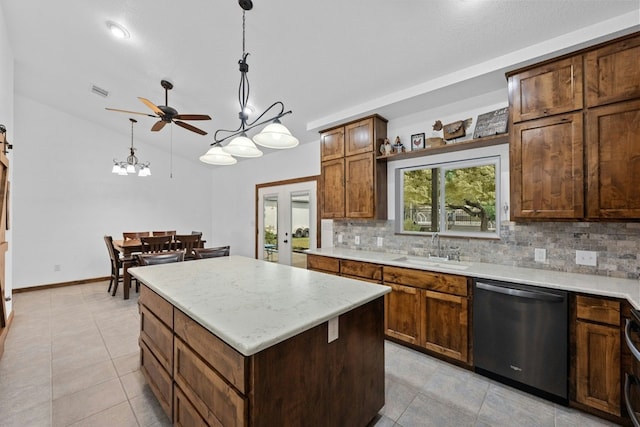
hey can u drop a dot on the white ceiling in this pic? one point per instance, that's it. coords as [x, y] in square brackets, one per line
[327, 60]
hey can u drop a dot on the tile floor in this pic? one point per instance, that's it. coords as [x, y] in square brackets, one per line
[71, 359]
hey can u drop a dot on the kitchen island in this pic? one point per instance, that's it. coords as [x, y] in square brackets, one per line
[237, 341]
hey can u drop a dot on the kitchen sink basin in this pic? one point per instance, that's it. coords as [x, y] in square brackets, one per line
[427, 262]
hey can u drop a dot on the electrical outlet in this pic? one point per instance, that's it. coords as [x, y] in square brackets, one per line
[56, 267]
[540, 255]
[340, 238]
[380, 241]
[357, 240]
[587, 258]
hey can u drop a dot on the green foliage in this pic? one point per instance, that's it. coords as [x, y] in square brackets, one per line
[270, 237]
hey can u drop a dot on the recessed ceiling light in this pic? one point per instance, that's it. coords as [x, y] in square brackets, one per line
[117, 30]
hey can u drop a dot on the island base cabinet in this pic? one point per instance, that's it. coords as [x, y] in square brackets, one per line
[341, 382]
[185, 414]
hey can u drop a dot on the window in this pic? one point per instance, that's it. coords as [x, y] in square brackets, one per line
[456, 198]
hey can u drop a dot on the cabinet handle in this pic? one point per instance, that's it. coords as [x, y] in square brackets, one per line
[628, 382]
[627, 337]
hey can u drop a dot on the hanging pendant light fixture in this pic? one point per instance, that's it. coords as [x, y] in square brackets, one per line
[129, 166]
[275, 135]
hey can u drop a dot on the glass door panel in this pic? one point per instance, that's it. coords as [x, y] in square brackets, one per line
[300, 220]
[270, 228]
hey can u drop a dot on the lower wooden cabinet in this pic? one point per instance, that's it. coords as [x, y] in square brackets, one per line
[597, 354]
[402, 314]
[444, 322]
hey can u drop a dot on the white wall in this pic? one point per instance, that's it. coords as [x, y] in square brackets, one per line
[234, 192]
[65, 198]
[6, 118]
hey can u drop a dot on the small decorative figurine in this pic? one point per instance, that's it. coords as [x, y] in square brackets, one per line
[385, 148]
[398, 147]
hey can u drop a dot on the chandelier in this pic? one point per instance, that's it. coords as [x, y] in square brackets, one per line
[130, 165]
[274, 135]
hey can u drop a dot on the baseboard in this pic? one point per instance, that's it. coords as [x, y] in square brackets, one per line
[4, 332]
[60, 285]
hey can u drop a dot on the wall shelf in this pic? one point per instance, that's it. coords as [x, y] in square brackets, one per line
[465, 145]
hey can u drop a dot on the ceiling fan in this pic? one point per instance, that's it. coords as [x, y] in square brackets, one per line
[167, 114]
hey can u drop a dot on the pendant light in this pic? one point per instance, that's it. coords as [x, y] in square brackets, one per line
[275, 135]
[128, 166]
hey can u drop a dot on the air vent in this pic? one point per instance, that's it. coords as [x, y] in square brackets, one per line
[99, 91]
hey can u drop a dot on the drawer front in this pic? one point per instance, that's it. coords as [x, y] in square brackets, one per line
[440, 282]
[598, 310]
[358, 269]
[158, 305]
[157, 337]
[184, 414]
[158, 379]
[323, 263]
[232, 365]
[212, 397]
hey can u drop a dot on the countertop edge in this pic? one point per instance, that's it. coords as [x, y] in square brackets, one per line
[521, 275]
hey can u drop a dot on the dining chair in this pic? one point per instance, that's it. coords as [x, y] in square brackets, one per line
[201, 253]
[129, 235]
[156, 243]
[160, 258]
[117, 263]
[187, 243]
[165, 233]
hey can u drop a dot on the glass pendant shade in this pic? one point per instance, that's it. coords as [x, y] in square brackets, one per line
[241, 146]
[116, 168]
[131, 168]
[216, 156]
[123, 171]
[276, 135]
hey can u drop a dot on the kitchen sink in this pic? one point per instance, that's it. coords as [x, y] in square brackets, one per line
[427, 262]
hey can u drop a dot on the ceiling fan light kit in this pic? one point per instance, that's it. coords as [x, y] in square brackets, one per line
[129, 165]
[275, 135]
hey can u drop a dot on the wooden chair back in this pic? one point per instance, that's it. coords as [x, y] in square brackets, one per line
[112, 251]
[165, 233]
[201, 253]
[187, 243]
[156, 243]
[160, 258]
[130, 235]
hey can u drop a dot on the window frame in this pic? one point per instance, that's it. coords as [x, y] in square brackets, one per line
[443, 166]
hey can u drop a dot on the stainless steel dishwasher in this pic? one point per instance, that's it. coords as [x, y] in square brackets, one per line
[520, 337]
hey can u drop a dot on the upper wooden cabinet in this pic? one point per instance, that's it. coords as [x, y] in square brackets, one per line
[547, 168]
[332, 144]
[612, 72]
[613, 160]
[353, 183]
[546, 90]
[575, 139]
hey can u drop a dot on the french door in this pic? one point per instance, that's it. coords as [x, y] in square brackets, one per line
[287, 222]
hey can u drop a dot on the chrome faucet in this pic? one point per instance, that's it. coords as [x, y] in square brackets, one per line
[436, 237]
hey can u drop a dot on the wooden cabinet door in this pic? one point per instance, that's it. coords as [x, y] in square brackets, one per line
[332, 144]
[359, 137]
[598, 366]
[613, 72]
[332, 189]
[613, 165]
[402, 314]
[445, 326]
[549, 89]
[546, 165]
[360, 199]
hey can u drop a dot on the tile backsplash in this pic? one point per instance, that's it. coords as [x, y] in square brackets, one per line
[617, 244]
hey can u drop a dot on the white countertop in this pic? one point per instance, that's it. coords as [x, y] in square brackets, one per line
[252, 304]
[586, 283]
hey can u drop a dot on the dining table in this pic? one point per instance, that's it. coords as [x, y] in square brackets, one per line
[127, 248]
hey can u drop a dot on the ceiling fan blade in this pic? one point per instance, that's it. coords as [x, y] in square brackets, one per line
[190, 127]
[152, 106]
[192, 117]
[158, 125]
[129, 112]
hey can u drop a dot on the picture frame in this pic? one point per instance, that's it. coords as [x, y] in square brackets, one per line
[417, 141]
